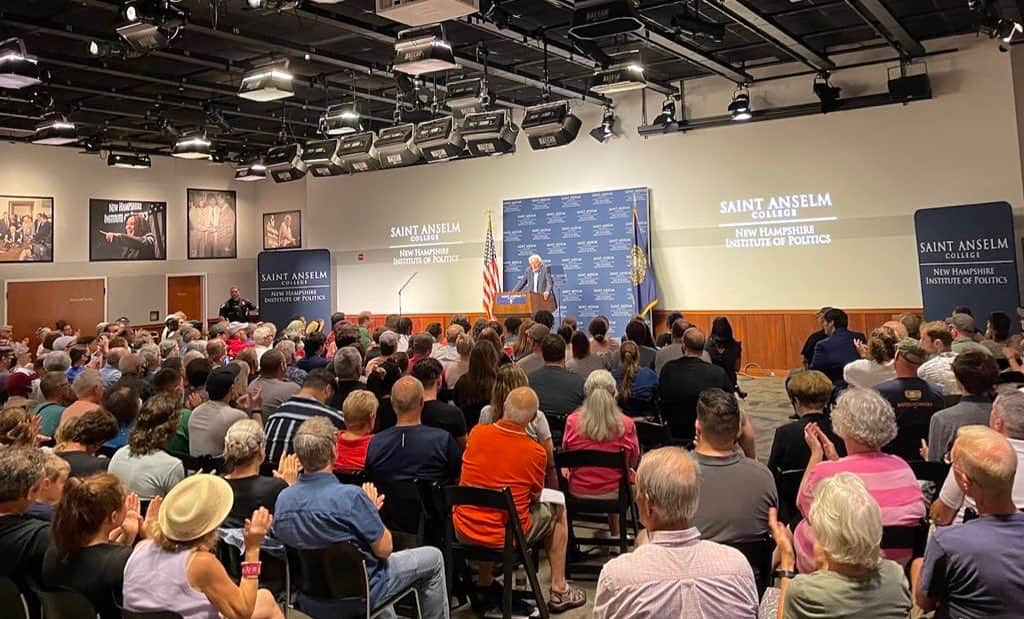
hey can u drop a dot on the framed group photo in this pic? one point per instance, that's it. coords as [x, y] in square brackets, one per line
[26, 229]
[282, 230]
[127, 230]
[212, 224]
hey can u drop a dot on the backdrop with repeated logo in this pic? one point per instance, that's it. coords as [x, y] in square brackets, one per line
[587, 240]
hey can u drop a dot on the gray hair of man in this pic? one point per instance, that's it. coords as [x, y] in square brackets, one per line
[150, 356]
[86, 381]
[521, 406]
[600, 417]
[348, 363]
[452, 333]
[192, 355]
[534, 258]
[314, 444]
[168, 347]
[57, 361]
[847, 521]
[864, 416]
[669, 479]
[286, 348]
[1008, 414]
[198, 346]
[21, 469]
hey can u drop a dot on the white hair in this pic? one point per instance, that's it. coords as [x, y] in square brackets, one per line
[847, 521]
[600, 418]
[535, 257]
[1009, 407]
[670, 478]
[57, 361]
[865, 416]
[263, 335]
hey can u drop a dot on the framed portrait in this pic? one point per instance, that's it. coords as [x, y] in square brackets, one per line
[282, 230]
[212, 224]
[127, 230]
[26, 229]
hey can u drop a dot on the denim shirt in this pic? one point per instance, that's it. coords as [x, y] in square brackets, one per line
[319, 511]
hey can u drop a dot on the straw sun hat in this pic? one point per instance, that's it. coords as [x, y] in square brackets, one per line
[195, 507]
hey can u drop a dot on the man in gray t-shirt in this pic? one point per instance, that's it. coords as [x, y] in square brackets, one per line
[976, 373]
[272, 383]
[209, 422]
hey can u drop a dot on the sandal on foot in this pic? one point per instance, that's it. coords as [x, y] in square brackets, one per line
[562, 601]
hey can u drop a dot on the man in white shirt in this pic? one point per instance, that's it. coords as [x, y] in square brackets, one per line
[446, 353]
[938, 370]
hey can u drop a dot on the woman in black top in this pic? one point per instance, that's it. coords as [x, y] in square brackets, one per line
[94, 527]
[473, 391]
[243, 455]
[725, 350]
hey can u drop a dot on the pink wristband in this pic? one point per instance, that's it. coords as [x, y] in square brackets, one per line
[251, 569]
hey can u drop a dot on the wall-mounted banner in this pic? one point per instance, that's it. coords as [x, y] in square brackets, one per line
[590, 238]
[966, 256]
[294, 283]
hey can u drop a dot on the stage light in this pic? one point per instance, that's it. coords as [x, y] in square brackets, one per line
[668, 112]
[17, 68]
[440, 139]
[357, 153]
[626, 75]
[192, 146]
[826, 93]
[739, 108]
[419, 51]
[340, 120]
[131, 11]
[284, 163]
[490, 133]
[466, 97]
[692, 25]
[321, 157]
[131, 161]
[269, 83]
[606, 130]
[396, 146]
[55, 131]
[254, 171]
[150, 24]
[598, 19]
[550, 125]
[422, 12]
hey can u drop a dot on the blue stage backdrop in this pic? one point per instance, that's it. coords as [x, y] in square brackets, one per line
[587, 240]
[967, 256]
[295, 283]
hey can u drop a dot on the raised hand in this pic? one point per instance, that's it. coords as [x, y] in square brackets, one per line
[194, 399]
[811, 438]
[256, 528]
[375, 497]
[288, 469]
[827, 446]
[783, 539]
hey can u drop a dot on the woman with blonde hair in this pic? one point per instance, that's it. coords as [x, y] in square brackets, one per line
[360, 410]
[512, 377]
[878, 364]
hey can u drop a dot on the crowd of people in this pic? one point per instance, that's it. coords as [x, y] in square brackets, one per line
[130, 460]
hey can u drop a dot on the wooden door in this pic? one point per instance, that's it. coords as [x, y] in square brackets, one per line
[31, 305]
[185, 294]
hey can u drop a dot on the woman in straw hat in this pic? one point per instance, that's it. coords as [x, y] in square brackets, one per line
[174, 570]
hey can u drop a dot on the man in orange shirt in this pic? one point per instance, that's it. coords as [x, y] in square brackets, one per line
[502, 454]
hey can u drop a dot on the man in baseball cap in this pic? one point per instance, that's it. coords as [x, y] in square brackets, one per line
[913, 399]
[961, 327]
[210, 420]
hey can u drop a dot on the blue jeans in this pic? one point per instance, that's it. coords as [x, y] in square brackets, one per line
[423, 569]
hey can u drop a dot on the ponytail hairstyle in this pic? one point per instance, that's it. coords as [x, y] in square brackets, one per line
[601, 420]
[882, 345]
[629, 363]
[83, 509]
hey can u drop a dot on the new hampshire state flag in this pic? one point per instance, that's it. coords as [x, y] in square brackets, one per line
[645, 287]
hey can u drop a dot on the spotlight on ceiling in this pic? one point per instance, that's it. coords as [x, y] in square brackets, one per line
[321, 157]
[625, 75]
[269, 83]
[826, 93]
[419, 51]
[597, 19]
[440, 139]
[150, 24]
[130, 161]
[466, 96]
[192, 146]
[17, 68]
[284, 163]
[254, 171]
[422, 12]
[273, 5]
[396, 146]
[691, 24]
[340, 120]
[357, 153]
[550, 125]
[55, 131]
[606, 130]
[490, 133]
[992, 24]
[739, 108]
[668, 112]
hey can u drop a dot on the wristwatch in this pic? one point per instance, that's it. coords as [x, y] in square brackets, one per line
[790, 574]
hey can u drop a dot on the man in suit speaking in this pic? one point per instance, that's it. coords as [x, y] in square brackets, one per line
[537, 278]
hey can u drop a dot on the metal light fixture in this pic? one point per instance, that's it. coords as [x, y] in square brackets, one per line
[254, 171]
[321, 158]
[55, 131]
[606, 130]
[826, 92]
[284, 163]
[358, 153]
[269, 83]
[625, 75]
[17, 68]
[130, 161]
[739, 108]
[419, 51]
[490, 133]
[550, 125]
[440, 139]
[192, 146]
[466, 97]
[668, 112]
[340, 120]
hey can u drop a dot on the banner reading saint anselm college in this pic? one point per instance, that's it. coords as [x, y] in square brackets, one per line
[600, 258]
[295, 283]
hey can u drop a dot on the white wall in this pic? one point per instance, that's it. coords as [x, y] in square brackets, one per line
[879, 165]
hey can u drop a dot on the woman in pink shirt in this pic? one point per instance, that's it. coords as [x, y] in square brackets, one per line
[866, 422]
[600, 425]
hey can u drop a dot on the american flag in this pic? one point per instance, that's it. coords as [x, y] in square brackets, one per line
[491, 283]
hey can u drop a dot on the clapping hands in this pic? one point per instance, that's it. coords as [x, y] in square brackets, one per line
[819, 444]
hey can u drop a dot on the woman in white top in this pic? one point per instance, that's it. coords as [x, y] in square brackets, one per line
[877, 366]
[511, 376]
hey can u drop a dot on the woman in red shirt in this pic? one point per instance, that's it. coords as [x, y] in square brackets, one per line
[360, 410]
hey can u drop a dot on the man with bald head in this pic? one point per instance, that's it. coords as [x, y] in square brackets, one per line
[683, 379]
[672, 572]
[409, 449]
[976, 569]
[499, 455]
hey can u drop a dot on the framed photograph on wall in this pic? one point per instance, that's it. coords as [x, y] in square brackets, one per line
[26, 229]
[212, 224]
[127, 230]
[282, 230]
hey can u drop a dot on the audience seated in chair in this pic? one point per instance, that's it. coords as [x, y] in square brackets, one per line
[144, 467]
[913, 399]
[510, 377]
[272, 383]
[975, 569]
[473, 391]
[78, 442]
[319, 511]
[673, 572]
[348, 368]
[876, 365]
[938, 369]
[56, 472]
[637, 384]
[681, 382]
[209, 421]
[23, 539]
[311, 401]
[850, 578]
[244, 456]
[583, 362]
[438, 414]
[976, 374]
[500, 455]
[560, 391]
[809, 392]
[360, 411]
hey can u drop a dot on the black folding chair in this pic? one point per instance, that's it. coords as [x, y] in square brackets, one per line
[275, 575]
[403, 512]
[622, 505]
[788, 483]
[557, 425]
[934, 472]
[912, 536]
[333, 582]
[512, 553]
[11, 600]
[206, 464]
[65, 604]
[637, 407]
[352, 478]
[759, 555]
[653, 435]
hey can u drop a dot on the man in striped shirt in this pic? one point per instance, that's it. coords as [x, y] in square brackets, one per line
[310, 401]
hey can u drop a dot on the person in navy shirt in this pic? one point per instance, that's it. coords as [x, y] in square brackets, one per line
[833, 353]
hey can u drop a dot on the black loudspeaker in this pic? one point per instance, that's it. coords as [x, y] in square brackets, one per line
[910, 87]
